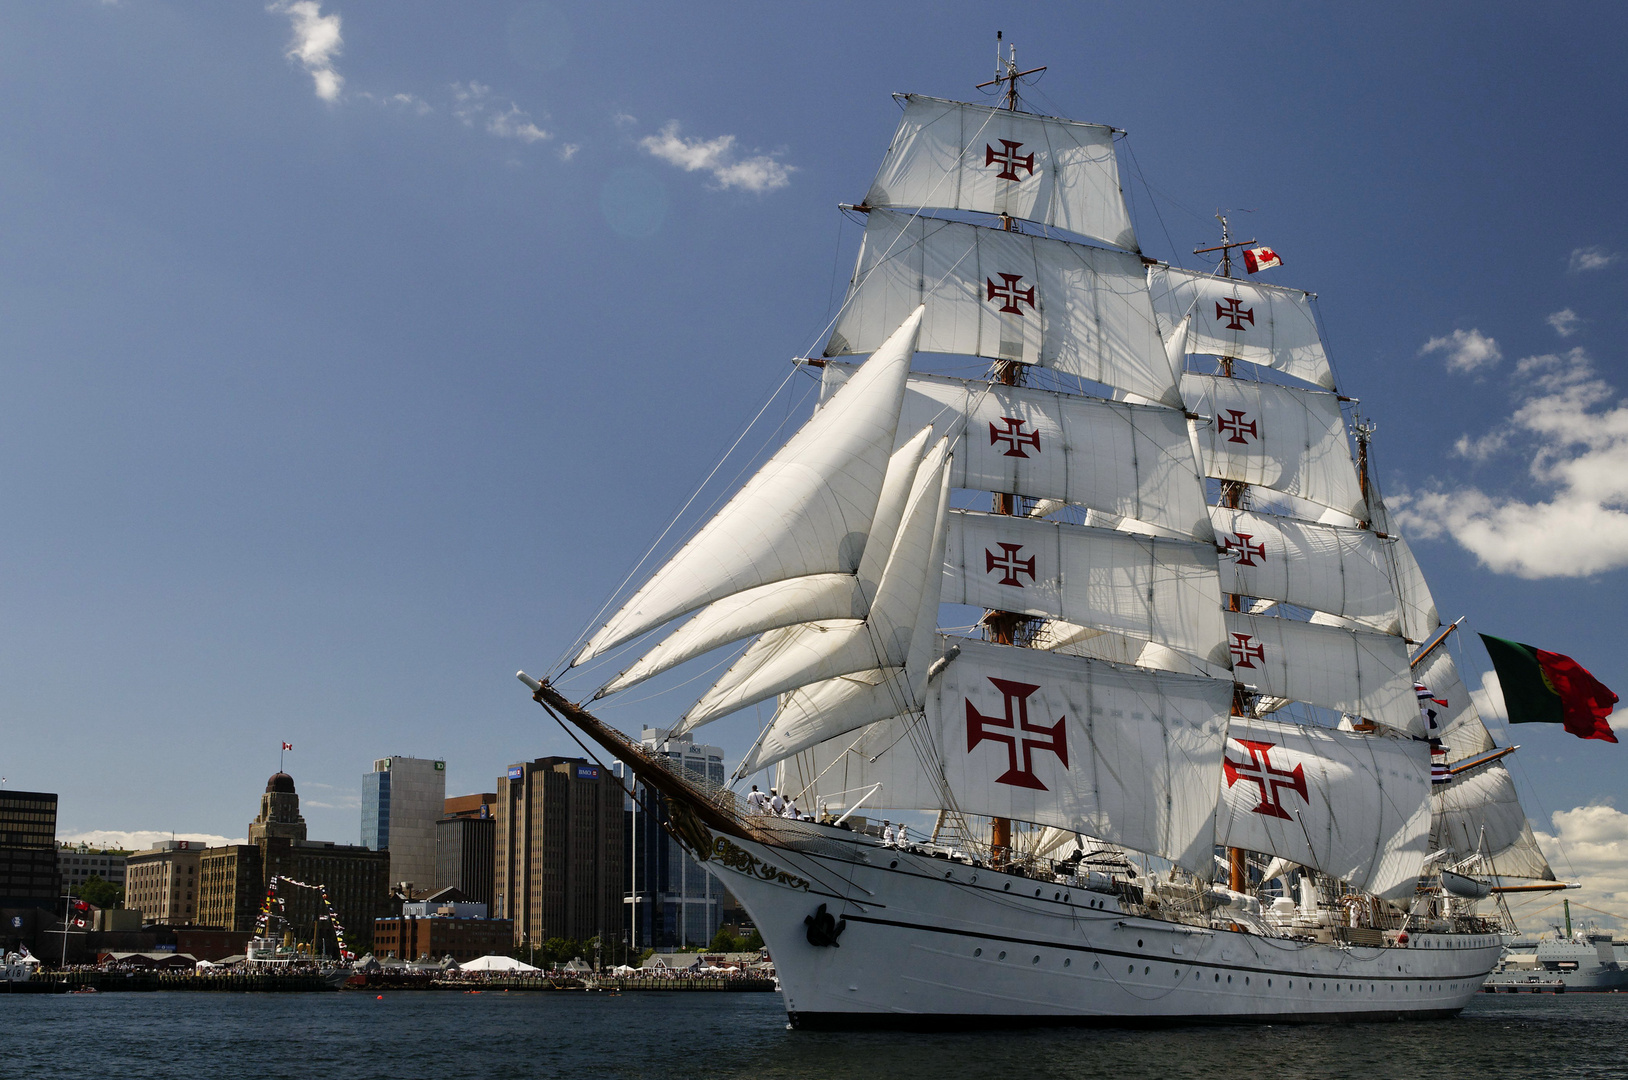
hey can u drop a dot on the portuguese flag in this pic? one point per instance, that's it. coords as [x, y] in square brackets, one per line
[1547, 688]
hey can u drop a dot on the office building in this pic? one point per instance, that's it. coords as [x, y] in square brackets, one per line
[29, 886]
[402, 799]
[670, 901]
[466, 846]
[560, 843]
[162, 882]
[234, 878]
[445, 923]
[77, 865]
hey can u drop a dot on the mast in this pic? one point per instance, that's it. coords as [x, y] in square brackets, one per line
[1005, 627]
[1232, 497]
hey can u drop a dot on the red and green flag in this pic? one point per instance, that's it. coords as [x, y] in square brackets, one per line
[1542, 687]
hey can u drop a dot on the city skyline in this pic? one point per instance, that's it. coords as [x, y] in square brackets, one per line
[315, 323]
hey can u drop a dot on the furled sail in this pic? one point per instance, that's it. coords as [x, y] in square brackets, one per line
[1263, 324]
[1010, 296]
[1061, 173]
[797, 655]
[1354, 671]
[1132, 460]
[795, 600]
[1126, 755]
[1343, 571]
[1156, 588]
[806, 511]
[1352, 806]
[1275, 436]
[1479, 813]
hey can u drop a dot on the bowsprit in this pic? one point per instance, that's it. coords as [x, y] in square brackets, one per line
[1016, 721]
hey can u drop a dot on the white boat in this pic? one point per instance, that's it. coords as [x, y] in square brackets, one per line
[1202, 633]
[18, 967]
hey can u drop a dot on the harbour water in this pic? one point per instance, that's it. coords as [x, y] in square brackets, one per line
[406, 1036]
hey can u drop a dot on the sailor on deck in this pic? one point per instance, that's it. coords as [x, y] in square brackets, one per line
[756, 802]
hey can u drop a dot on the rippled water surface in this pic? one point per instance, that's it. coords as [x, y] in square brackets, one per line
[408, 1035]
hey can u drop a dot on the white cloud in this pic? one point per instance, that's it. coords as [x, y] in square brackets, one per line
[1489, 700]
[1466, 350]
[1482, 448]
[568, 151]
[401, 101]
[758, 173]
[141, 839]
[1565, 322]
[1578, 431]
[472, 103]
[1591, 258]
[1590, 842]
[623, 119]
[317, 41]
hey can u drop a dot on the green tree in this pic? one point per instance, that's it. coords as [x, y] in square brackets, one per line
[724, 941]
[753, 943]
[103, 894]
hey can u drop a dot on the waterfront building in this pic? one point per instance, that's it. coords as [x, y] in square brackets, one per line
[162, 882]
[444, 924]
[402, 799]
[669, 900]
[466, 846]
[29, 886]
[77, 865]
[560, 842]
[234, 877]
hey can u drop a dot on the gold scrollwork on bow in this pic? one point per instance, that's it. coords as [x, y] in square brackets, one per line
[747, 863]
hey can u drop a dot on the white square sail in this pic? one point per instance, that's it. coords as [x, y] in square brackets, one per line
[1263, 324]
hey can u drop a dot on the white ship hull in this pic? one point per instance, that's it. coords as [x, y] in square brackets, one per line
[930, 943]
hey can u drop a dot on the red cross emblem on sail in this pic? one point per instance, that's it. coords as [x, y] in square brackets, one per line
[1245, 651]
[1014, 437]
[1008, 563]
[1240, 543]
[1007, 158]
[1232, 309]
[1237, 423]
[1272, 780]
[1009, 294]
[1013, 729]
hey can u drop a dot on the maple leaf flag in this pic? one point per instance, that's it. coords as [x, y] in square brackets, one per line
[1261, 258]
[288, 746]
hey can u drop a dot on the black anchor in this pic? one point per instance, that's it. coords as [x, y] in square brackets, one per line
[824, 929]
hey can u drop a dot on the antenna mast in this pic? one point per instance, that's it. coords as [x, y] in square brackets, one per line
[1006, 71]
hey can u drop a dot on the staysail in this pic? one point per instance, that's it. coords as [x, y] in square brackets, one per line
[806, 511]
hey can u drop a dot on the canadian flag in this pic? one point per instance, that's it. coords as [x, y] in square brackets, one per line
[288, 746]
[1261, 258]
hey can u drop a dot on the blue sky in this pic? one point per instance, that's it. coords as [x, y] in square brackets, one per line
[352, 353]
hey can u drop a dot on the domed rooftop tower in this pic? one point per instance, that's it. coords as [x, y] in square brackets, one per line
[279, 811]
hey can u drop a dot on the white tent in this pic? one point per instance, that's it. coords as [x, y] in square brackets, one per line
[496, 963]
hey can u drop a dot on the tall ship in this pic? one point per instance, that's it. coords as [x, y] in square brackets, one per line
[1118, 619]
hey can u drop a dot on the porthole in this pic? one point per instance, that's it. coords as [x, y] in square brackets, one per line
[1218, 976]
[1056, 896]
[1037, 892]
[1138, 943]
[1130, 969]
[1002, 956]
[1246, 980]
[1065, 898]
[1095, 964]
[1229, 980]
[1007, 886]
[1067, 961]
[1036, 960]
[977, 952]
[1147, 971]
[948, 875]
[1269, 983]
